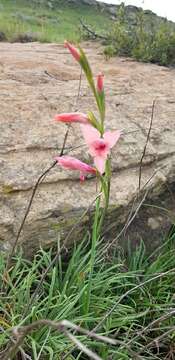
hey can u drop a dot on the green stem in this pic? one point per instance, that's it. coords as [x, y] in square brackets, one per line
[106, 184]
[95, 236]
[97, 225]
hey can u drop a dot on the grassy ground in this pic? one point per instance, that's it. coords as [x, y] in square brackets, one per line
[139, 289]
[50, 25]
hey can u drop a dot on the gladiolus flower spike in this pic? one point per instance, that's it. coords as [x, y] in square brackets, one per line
[99, 147]
[71, 163]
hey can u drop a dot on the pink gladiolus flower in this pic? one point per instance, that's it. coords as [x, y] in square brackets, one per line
[100, 86]
[71, 163]
[99, 147]
[72, 117]
[75, 53]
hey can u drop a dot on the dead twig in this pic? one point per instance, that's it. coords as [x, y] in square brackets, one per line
[79, 88]
[91, 32]
[132, 215]
[62, 326]
[149, 326]
[24, 356]
[159, 276]
[38, 182]
[157, 339]
[147, 140]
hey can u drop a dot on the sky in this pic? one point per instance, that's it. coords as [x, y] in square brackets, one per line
[164, 8]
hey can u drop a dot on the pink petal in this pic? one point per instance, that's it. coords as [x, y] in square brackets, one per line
[72, 163]
[72, 117]
[100, 164]
[111, 137]
[90, 134]
[75, 53]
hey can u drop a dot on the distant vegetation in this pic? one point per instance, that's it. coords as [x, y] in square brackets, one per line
[132, 32]
[148, 41]
[48, 21]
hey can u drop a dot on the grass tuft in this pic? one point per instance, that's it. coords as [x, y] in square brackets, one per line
[141, 316]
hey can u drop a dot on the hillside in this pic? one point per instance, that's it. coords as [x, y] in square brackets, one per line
[49, 23]
[55, 20]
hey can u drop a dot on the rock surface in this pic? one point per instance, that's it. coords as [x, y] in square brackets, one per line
[39, 80]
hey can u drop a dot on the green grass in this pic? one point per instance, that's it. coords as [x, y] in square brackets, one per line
[51, 25]
[63, 296]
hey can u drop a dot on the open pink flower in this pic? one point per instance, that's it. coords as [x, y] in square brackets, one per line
[75, 53]
[72, 117]
[71, 163]
[99, 147]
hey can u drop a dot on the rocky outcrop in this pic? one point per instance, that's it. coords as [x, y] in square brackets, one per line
[39, 80]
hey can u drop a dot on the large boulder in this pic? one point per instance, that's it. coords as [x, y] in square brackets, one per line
[39, 80]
